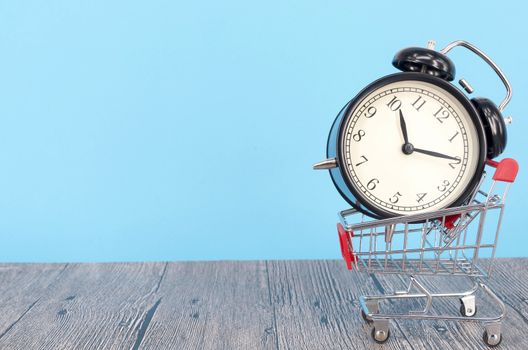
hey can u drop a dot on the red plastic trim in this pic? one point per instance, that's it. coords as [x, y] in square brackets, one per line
[506, 170]
[345, 244]
[450, 220]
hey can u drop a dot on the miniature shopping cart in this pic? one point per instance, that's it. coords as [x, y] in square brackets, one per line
[448, 242]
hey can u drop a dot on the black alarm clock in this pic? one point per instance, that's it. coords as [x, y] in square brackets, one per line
[412, 142]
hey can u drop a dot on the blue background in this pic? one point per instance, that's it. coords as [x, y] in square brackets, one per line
[164, 130]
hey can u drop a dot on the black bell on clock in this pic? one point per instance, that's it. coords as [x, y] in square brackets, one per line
[494, 125]
[424, 60]
[412, 142]
[429, 61]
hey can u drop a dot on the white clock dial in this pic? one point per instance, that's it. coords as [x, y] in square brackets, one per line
[428, 172]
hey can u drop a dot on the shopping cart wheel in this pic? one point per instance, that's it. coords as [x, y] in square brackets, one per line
[380, 336]
[492, 339]
[468, 307]
[466, 312]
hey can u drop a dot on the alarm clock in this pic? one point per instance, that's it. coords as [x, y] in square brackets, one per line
[413, 142]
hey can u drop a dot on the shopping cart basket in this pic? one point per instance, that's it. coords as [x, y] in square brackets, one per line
[450, 242]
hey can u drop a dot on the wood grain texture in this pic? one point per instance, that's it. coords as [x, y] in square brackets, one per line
[90, 306]
[21, 287]
[213, 306]
[234, 305]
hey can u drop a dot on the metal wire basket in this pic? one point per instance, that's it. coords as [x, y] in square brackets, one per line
[451, 241]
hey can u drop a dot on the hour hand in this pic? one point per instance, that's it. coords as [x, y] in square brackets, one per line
[403, 127]
[434, 154]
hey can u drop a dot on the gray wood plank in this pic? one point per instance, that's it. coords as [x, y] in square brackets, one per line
[316, 306]
[510, 280]
[222, 305]
[91, 306]
[21, 287]
[232, 305]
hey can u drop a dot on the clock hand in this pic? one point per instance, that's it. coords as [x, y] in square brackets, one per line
[408, 148]
[403, 127]
[434, 154]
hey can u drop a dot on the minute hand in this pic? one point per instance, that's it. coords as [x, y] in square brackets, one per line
[434, 154]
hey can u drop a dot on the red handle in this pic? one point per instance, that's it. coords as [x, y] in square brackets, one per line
[506, 170]
[345, 244]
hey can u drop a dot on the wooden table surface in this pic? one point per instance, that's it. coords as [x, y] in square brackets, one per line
[232, 305]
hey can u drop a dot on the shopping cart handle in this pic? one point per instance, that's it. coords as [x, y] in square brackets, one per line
[506, 170]
[344, 242]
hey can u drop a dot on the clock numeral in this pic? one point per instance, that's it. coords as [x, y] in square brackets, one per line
[441, 114]
[369, 113]
[443, 186]
[452, 164]
[394, 199]
[452, 138]
[364, 161]
[394, 104]
[372, 184]
[420, 197]
[357, 137]
[418, 103]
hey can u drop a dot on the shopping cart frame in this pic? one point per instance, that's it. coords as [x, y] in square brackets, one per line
[451, 242]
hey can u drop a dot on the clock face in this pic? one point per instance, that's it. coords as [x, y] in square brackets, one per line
[409, 147]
